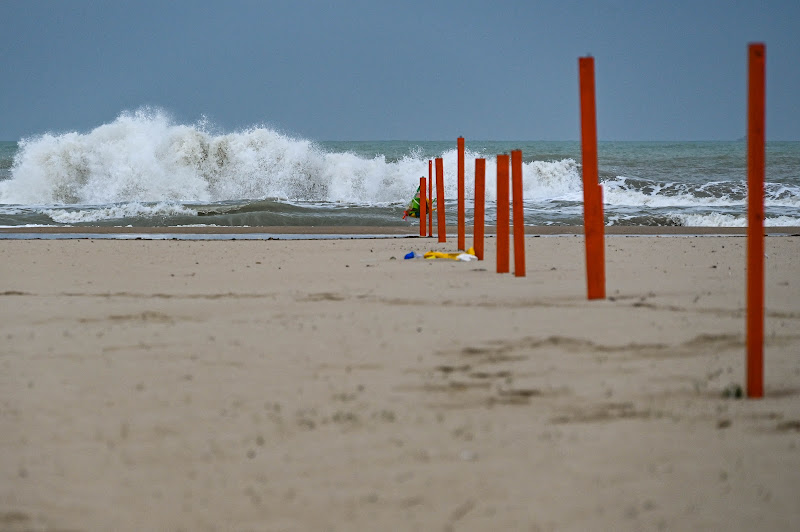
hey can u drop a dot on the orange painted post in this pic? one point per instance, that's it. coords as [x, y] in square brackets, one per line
[480, 208]
[461, 210]
[519, 219]
[502, 214]
[440, 223]
[755, 220]
[423, 206]
[592, 193]
[430, 195]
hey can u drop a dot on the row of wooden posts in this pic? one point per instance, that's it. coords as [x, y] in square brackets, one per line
[503, 213]
[594, 234]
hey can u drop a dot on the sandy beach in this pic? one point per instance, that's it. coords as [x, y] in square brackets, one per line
[332, 385]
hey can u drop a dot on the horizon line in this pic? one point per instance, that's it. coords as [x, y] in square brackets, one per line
[741, 139]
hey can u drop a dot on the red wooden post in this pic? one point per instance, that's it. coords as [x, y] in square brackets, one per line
[440, 200]
[430, 195]
[480, 212]
[519, 220]
[423, 206]
[755, 220]
[592, 193]
[502, 214]
[461, 210]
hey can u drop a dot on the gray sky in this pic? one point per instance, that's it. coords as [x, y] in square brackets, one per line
[405, 70]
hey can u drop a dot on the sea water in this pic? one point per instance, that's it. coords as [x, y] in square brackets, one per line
[143, 169]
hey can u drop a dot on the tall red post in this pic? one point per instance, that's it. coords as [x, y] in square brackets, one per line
[480, 208]
[502, 214]
[440, 223]
[423, 206]
[430, 195]
[461, 210]
[519, 217]
[755, 219]
[592, 193]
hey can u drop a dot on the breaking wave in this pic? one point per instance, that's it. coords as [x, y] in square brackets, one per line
[143, 168]
[144, 157]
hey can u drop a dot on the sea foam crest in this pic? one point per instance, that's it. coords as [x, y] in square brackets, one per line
[143, 157]
[542, 180]
[118, 212]
[623, 191]
[727, 220]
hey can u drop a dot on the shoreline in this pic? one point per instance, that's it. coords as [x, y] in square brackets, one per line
[381, 231]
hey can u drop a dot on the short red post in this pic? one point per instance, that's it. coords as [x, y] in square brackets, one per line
[519, 217]
[430, 195]
[755, 220]
[502, 214]
[423, 206]
[440, 223]
[480, 208]
[461, 209]
[592, 193]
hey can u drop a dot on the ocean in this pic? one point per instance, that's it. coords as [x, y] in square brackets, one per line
[144, 170]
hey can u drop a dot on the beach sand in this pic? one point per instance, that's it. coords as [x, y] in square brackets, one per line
[332, 385]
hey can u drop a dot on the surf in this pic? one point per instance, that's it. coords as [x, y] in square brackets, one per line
[145, 157]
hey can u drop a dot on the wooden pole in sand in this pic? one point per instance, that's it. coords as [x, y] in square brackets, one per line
[440, 200]
[461, 211]
[423, 206]
[480, 212]
[755, 220]
[519, 220]
[502, 214]
[592, 193]
[430, 195]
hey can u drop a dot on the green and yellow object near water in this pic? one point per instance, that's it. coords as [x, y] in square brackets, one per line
[413, 207]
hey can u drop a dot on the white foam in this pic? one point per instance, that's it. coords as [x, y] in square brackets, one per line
[144, 157]
[542, 180]
[727, 220]
[619, 193]
[115, 212]
[25, 225]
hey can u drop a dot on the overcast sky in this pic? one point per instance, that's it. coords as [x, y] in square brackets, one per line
[404, 70]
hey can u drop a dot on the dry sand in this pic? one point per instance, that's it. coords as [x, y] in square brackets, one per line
[332, 385]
